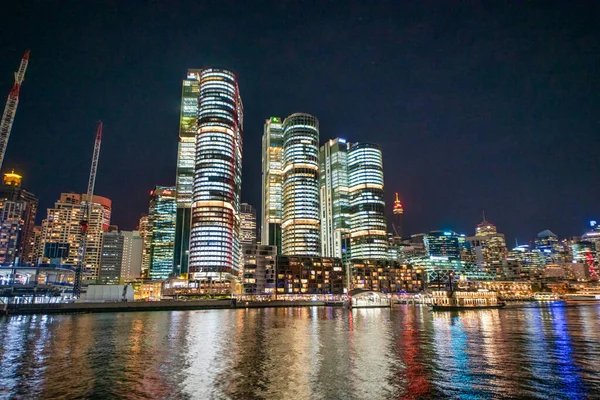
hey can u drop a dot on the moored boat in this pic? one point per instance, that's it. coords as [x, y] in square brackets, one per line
[584, 296]
[546, 296]
[459, 300]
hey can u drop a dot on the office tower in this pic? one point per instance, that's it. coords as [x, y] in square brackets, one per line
[551, 248]
[131, 266]
[247, 224]
[19, 209]
[214, 242]
[300, 228]
[146, 236]
[111, 257]
[61, 232]
[335, 204]
[186, 153]
[161, 219]
[368, 236]
[443, 246]
[272, 183]
[488, 246]
[259, 269]
[36, 245]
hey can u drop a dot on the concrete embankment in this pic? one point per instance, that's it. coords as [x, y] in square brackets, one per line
[68, 308]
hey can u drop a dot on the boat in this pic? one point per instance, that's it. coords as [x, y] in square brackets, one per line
[546, 296]
[584, 296]
[460, 300]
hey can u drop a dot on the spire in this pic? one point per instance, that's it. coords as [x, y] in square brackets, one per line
[483, 214]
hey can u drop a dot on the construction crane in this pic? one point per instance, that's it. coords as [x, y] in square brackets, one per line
[11, 106]
[87, 212]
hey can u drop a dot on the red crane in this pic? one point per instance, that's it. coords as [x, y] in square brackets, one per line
[86, 212]
[11, 106]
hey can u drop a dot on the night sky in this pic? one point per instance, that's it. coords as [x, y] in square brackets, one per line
[477, 107]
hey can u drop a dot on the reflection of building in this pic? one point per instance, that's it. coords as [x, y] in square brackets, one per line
[368, 236]
[18, 209]
[61, 231]
[300, 230]
[309, 275]
[247, 224]
[161, 219]
[146, 236]
[272, 183]
[386, 276]
[259, 269]
[334, 196]
[186, 154]
[215, 242]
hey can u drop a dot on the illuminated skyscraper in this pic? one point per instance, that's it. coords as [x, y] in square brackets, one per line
[215, 243]
[272, 182]
[247, 224]
[334, 196]
[161, 218]
[443, 246]
[488, 246]
[300, 228]
[146, 236]
[368, 236]
[61, 231]
[186, 153]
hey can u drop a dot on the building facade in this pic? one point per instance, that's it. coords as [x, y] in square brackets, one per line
[305, 275]
[368, 230]
[215, 227]
[146, 235]
[387, 276]
[186, 155]
[300, 227]
[333, 182]
[443, 246]
[259, 269]
[131, 265]
[61, 232]
[112, 257]
[488, 246]
[247, 224]
[272, 183]
[161, 219]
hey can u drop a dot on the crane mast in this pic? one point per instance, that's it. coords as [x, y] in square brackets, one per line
[11, 106]
[87, 212]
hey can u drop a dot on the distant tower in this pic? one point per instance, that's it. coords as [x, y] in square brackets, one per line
[398, 212]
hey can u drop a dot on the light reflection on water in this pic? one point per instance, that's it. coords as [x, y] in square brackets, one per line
[551, 351]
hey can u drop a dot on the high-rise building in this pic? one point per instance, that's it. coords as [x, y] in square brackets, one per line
[131, 265]
[272, 183]
[111, 257]
[368, 235]
[259, 269]
[17, 220]
[186, 154]
[161, 218]
[214, 242]
[488, 246]
[551, 248]
[300, 227]
[333, 182]
[145, 231]
[61, 231]
[443, 246]
[247, 224]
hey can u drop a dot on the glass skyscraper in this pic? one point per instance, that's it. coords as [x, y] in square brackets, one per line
[300, 227]
[247, 224]
[368, 236]
[333, 159]
[215, 229]
[272, 182]
[161, 218]
[186, 153]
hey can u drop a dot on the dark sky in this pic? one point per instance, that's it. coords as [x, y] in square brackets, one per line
[477, 106]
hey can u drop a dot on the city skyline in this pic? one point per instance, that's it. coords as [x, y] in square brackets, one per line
[522, 195]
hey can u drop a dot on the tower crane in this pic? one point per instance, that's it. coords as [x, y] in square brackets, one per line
[11, 106]
[87, 212]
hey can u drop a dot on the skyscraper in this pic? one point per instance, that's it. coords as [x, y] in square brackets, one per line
[247, 224]
[111, 257]
[61, 231]
[131, 265]
[272, 182]
[488, 246]
[146, 236]
[214, 242]
[368, 236]
[443, 246]
[186, 153]
[334, 196]
[300, 229]
[18, 209]
[161, 218]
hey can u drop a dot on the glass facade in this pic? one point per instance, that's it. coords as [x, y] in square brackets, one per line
[443, 246]
[161, 218]
[214, 241]
[186, 153]
[300, 229]
[272, 182]
[247, 224]
[333, 182]
[368, 236]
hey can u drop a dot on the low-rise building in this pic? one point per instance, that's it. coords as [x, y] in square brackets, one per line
[309, 275]
[387, 276]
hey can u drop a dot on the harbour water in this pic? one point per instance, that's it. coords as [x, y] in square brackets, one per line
[526, 351]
